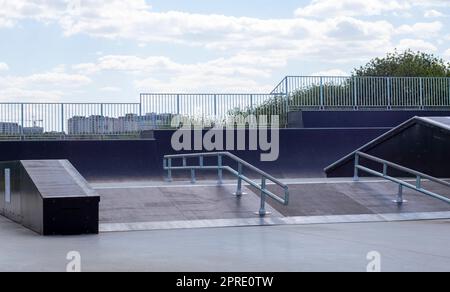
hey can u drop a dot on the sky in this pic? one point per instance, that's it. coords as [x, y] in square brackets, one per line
[112, 50]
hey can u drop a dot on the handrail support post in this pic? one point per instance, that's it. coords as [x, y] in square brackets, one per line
[356, 174]
[169, 170]
[400, 200]
[262, 210]
[239, 192]
[220, 169]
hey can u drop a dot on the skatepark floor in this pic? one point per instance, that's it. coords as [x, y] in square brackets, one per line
[128, 206]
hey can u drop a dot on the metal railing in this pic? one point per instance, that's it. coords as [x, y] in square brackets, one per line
[215, 108]
[156, 110]
[220, 167]
[337, 92]
[386, 165]
[68, 120]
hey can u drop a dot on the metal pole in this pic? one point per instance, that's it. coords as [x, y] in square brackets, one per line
[220, 171]
[22, 121]
[400, 195]
[389, 93]
[193, 180]
[8, 185]
[62, 120]
[355, 93]
[419, 182]
[169, 170]
[262, 211]
[322, 102]
[178, 104]
[421, 93]
[215, 106]
[239, 192]
[356, 175]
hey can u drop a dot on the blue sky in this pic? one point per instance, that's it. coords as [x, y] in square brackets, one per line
[111, 50]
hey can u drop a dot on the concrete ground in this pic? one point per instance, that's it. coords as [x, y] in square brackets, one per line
[403, 246]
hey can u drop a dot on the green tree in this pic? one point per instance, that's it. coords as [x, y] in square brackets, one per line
[405, 64]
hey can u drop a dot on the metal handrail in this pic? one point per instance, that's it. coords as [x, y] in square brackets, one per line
[387, 164]
[239, 173]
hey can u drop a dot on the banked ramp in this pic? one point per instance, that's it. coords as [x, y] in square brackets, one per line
[49, 197]
[420, 143]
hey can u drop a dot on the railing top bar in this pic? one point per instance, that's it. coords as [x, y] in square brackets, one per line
[229, 155]
[402, 168]
[68, 103]
[368, 77]
[212, 94]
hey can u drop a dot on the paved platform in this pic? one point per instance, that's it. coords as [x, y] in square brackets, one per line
[403, 246]
[365, 197]
[137, 206]
[123, 204]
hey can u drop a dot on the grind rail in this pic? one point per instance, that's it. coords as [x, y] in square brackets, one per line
[239, 173]
[386, 165]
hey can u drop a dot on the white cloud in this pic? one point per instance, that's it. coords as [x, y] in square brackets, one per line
[46, 86]
[327, 8]
[416, 45]
[433, 14]
[252, 49]
[331, 72]
[4, 67]
[421, 29]
[447, 54]
[235, 74]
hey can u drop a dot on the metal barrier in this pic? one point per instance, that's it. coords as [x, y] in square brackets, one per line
[239, 173]
[216, 108]
[337, 92]
[386, 165]
[156, 110]
[69, 120]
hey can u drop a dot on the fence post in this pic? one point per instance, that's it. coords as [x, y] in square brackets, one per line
[286, 85]
[421, 93]
[388, 88]
[62, 120]
[178, 104]
[22, 121]
[215, 106]
[103, 121]
[322, 101]
[355, 93]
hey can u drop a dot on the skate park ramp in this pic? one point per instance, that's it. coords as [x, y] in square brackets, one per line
[421, 143]
[182, 205]
[49, 197]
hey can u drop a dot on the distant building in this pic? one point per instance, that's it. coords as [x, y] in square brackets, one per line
[10, 128]
[130, 123]
[28, 131]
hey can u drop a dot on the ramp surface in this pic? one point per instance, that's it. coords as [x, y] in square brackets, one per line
[175, 203]
[349, 198]
[421, 144]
